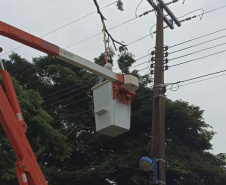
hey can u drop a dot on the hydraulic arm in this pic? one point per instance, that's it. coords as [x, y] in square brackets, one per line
[12, 121]
[130, 84]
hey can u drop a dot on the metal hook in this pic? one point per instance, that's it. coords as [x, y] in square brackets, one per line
[151, 32]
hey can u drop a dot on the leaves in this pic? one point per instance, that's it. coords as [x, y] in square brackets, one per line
[70, 152]
[120, 5]
[125, 60]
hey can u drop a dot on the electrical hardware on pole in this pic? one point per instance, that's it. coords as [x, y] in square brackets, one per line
[158, 113]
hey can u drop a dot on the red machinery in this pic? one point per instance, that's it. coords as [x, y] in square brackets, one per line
[11, 118]
[27, 168]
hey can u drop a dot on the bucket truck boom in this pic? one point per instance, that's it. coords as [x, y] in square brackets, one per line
[11, 119]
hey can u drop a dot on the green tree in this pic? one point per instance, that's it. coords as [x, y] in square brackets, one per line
[73, 153]
[40, 133]
[101, 59]
[125, 60]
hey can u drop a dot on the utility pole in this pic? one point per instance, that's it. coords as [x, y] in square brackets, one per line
[158, 112]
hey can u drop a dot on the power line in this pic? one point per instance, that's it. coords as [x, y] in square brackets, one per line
[197, 51]
[109, 29]
[66, 89]
[67, 93]
[198, 37]
[210, 74]
[88, 38]
[186, 48]
[215, 9]
[132, 66]
[198, 58]
[170, 88]
[185, 19]
[132, 19]
[190, 79]
[148, 35]
[64, 99]
[76, 20]
[202, 80]
[61, 27]
[171, 46]
[191, 82]
[197, 44]
[73, 102]
[139, 39]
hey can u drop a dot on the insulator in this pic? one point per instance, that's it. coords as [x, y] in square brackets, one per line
[166, 48]
[166, 54]
[189, 18]
[152, 59]
[145, 13]
[152, 65]
[152, 72]
[153, 52]
[166, 67]
[166, 60]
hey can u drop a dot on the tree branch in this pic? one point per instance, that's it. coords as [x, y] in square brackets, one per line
[102, 19]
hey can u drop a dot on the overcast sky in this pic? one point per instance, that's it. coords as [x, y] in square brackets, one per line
[42, 17]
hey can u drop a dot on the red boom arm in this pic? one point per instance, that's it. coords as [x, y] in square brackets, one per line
[28, 39]
[27, 168]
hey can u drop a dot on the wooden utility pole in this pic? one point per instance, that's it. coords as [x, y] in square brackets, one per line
[158, 114]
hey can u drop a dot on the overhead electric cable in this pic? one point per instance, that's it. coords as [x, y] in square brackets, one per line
[74, 102]
[198, 37]
[76, 20]
[210, 74]
[61, 27]
[185, 49]
[215, 9]
[148, 55]
[197, 44]
[202, 80]
[192, 39]
[88, 38]
[190, 79]
[197, 51]
[63, 99]
[198, 58]
[190, 82]
[69, 88]
[113, 28]
[64, 93]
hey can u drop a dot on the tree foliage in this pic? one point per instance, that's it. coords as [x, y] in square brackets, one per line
[125, 60]
[120, 5]
[57, 104]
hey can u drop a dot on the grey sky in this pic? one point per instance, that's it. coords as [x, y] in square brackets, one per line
[41, 17]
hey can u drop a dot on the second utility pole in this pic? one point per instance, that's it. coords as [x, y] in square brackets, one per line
[158, 113]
